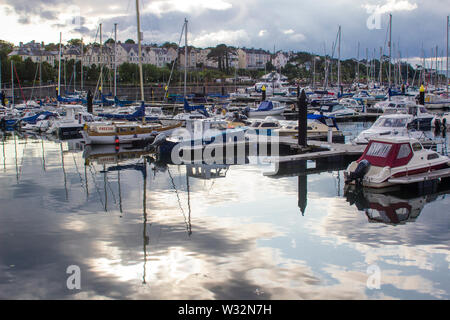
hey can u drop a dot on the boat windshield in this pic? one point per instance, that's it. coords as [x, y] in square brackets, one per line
[391, 122]
[326, 108]
[378, 149]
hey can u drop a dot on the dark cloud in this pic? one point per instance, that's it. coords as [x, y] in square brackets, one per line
[314, 23]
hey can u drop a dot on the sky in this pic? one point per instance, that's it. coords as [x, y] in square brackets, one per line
[298, 25]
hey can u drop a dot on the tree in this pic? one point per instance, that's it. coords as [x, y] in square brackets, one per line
[168, 45]
[74, 42]
[269, 66]
[110, 41]
[51, 47]
[130, 41]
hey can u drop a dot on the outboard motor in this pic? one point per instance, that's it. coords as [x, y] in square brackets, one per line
[159, 139]
[437, 125]
[361, 170]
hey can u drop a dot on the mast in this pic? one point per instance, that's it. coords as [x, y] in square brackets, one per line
[448, 18]
[40, 73]
[339, 61]
[141, 77]
[81, 63]
[390, 48]
[357, 66]
[381, 65]
[115, 60]
[314, 73]
[12, 81]
[437, 74]
[59, 68]
[367, 68]
[101, 66]
[185, 54]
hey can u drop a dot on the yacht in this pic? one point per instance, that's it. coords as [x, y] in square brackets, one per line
[435, 101]
[125, 132]
[387, 161]
[266, 108]
[72, 123]
[388, 125]
[336, 111]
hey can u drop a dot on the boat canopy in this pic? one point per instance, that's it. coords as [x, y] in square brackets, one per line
[39, 116]
[329, 121]
[139, 113]
[265, 106]
[200, 108]
[385, 154]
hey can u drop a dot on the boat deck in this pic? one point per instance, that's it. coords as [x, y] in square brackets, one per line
[427, 176]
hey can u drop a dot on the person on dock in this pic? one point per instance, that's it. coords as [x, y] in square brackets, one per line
[89, 101]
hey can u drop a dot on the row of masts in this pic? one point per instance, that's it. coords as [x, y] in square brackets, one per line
[371, 72]
[394, 77]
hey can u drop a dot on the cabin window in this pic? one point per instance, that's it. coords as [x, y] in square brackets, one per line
[256, 124]
[404, 152]
[76, 117]
[268, 125]
[417, 147]
[432, 156]
[378, 149]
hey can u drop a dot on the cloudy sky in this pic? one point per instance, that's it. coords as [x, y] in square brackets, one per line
[309, 25]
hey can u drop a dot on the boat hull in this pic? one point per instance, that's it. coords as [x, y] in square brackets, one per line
[273, 112]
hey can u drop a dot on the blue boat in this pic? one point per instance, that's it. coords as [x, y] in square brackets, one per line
[137, 115]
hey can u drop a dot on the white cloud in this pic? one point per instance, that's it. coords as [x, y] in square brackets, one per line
[262, 33]
[297, 37]
[192, 6]
[290, 31]
[229, 37]
[390, 6]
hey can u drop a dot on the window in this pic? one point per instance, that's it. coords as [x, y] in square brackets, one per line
[379, 149]
[404, 152]
[417, 146]
[268, 125]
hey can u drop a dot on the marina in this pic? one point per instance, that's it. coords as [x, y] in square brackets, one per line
[135, 224]
[204, 170]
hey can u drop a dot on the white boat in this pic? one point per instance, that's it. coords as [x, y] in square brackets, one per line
[124, 132]
[388, 125]
[434, 101]
[396, 160]
[266, 108]
[351, 103]
[336, 111]
[72, 123]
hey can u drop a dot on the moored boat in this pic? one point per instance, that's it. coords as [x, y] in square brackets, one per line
[396, 160]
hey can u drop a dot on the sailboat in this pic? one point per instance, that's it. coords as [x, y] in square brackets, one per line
[128, 132]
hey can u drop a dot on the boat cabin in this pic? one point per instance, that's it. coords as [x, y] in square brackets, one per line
[392, 121]
[392, 152]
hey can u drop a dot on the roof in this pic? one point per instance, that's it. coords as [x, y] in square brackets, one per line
[395, 139]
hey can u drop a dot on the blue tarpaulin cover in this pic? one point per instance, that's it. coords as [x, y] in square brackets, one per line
[200, 109]
[265, 106]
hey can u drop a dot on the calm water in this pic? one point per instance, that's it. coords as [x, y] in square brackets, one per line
[140, 229]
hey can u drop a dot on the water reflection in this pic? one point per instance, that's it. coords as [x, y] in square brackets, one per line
[394, 207]
[141, 227]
